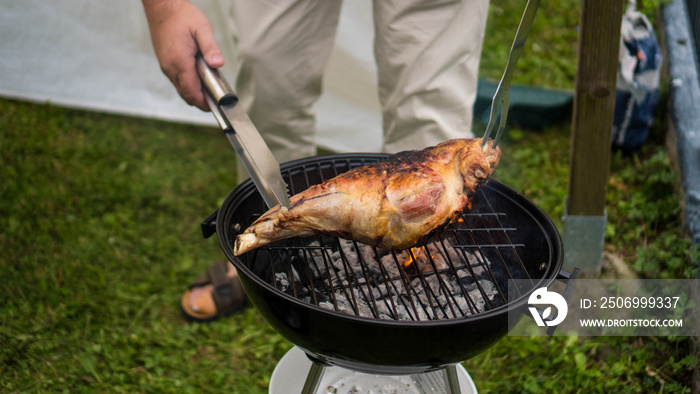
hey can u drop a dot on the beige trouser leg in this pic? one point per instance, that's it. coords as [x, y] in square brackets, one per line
[282, 48]
[428, 56]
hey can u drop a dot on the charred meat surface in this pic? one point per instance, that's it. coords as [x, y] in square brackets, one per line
[393, 203]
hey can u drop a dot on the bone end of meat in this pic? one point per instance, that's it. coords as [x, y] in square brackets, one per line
[269, 228]
[245, 242]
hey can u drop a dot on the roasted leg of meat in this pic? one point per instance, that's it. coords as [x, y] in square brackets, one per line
[393, 203]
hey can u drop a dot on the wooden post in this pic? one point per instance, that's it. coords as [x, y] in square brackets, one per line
[594, 103]
[591, 131]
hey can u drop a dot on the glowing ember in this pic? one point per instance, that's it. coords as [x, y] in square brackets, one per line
[413, 255]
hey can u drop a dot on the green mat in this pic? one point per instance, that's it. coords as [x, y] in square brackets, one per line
[530, 107]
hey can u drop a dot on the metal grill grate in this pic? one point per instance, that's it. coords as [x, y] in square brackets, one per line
[461, 272]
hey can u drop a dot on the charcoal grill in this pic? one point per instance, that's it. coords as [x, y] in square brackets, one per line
[327, 297]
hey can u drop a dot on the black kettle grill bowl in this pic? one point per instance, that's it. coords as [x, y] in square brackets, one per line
[375, 345]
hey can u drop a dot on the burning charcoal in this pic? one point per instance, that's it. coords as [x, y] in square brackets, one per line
[281, 281]
[464, 307]
[390, 266]
[318, 257]
[435, 281]
[438, 260]
[480, 294]
[429, 258]
[343, 306]
[422, 314]
[401, 313]
[369, 253]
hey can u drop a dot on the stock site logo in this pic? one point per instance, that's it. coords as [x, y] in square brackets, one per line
[543, 297]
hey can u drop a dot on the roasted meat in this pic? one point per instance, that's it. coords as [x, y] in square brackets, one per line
[393, 203]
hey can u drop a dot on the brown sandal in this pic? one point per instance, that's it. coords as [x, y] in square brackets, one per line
[228, 294]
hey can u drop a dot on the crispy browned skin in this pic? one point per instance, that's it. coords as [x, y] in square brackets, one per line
[393, 203]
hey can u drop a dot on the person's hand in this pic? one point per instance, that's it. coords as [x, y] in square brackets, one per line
[179, 31]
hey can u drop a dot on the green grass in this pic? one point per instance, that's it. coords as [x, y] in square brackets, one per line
[100, 235]
[548, 59]
[100, 217]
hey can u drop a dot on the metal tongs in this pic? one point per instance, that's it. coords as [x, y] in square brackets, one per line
[500, 98]
[245, 138]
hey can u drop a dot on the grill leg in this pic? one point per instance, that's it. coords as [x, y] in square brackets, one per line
[313, 379]
[452, 380]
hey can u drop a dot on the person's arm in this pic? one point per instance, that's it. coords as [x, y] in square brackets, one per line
[180, 30]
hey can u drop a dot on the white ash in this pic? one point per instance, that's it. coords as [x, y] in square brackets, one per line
[384, 289]
[281, 281]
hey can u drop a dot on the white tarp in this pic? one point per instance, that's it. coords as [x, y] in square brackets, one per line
[97, 55]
